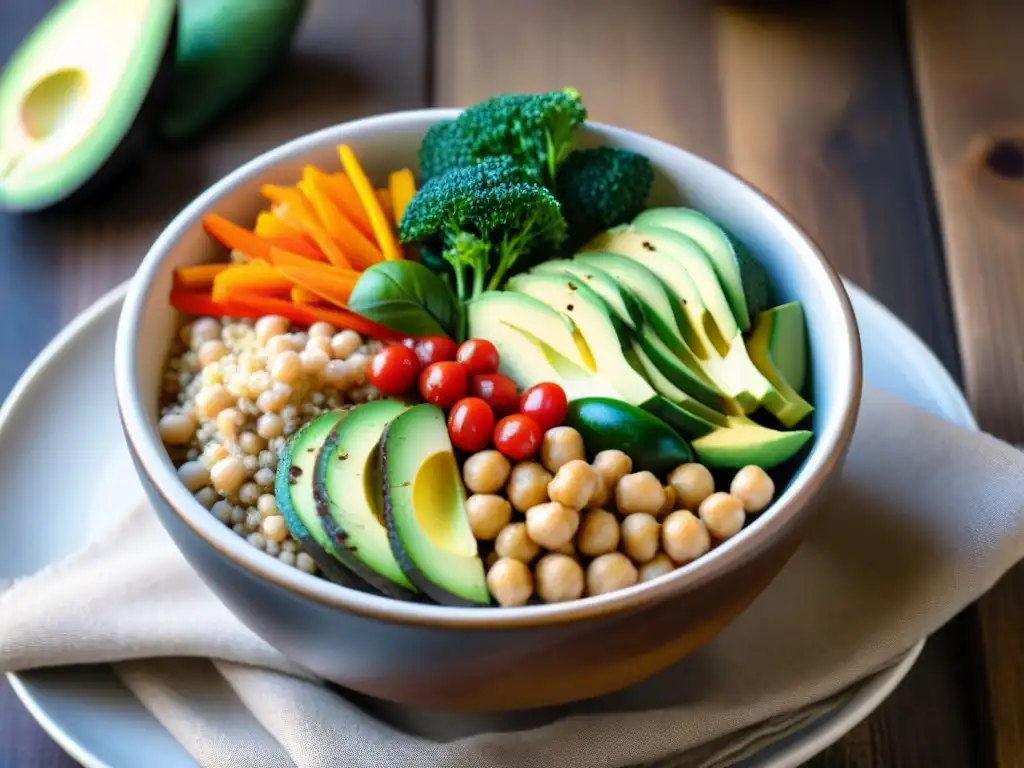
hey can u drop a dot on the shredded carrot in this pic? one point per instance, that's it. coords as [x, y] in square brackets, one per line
[402, 186]
[235, 237]
[251, 277]
[247, 304]
[340, 188]
[299, 245]
[300, 295]
[198, 277]
[298, 206]
[270, 225]
[329, 283]
[381, 225]
[360, 251]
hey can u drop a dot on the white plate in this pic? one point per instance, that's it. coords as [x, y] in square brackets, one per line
[59, 432]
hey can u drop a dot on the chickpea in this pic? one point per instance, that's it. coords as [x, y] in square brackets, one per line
[513, 541]
[566, 549]
[258, 382]
[251, 443]
[488, 515]
[358, 364]
[723, 514]
[249, 494]
[177, 428]
[753, 487]
[274, 399]
[612, 465]
[194, 475]
[274, 529]
[269, 426]
[204, 329]
[601, 496]
[510, 581]
[313, 361]
[264, 477]
[692, 483]
[599, 533]
[287, 367]
[552, 525]
[278, 345]
[335, 374]
[486, 472]
[267, 505]
[527, 485]
[574, 484]
[269, 326]
[670, 501]
[210, 352]
[228, 422]
[213, 399]
[684, 536]
[299, 340]
[213, 453]
[559, 578]
[345, 344]
[641, 536]
[610, 572]
[639, 492]
[560, 446]
[658, 566]
[321, 329]
[227, 475]
[305, 563]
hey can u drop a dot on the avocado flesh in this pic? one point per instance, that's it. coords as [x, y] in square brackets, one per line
[225, 49]
[660, 248]
[523, 357]
[709, 418]
[623, 304]
[713, 239]
[744, 442]
[73, 114]
[777, 342]
[293, 491]
[346, 487]
[424, 507]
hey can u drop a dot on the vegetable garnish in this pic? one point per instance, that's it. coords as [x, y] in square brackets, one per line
[306, 252]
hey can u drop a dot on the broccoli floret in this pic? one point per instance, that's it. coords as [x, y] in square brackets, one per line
[442, 149]
[601, 188]
[483, 218]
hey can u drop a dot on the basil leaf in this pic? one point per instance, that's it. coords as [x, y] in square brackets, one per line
[406, 297]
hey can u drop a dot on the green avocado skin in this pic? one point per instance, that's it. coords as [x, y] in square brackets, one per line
[225, 48]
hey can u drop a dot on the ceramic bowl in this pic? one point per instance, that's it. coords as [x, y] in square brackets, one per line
[489, 658]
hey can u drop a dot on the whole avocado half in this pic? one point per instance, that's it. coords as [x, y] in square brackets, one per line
[225, 49]
[73, 117]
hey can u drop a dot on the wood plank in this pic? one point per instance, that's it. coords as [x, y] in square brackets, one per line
[352, 59]
[814, 106]
[968, 64]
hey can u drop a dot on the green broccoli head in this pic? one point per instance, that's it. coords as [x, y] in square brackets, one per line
[601, 188]
[483, 217]
[442, 149]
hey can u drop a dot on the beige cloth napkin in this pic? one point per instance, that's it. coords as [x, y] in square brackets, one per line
[926, 518]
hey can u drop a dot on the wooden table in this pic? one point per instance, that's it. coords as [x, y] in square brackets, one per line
[894, 134]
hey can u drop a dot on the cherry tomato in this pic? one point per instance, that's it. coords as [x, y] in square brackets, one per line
[470, 424]
[518, 436]
[393, 370]
[497, 390]
[409, 342]
[479, 356]
[435, 349]
[546, 403]
[443, 384]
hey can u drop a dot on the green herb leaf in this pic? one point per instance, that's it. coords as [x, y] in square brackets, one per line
[407, 297]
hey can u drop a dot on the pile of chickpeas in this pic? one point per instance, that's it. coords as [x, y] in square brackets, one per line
[562, 528]
[234, 391]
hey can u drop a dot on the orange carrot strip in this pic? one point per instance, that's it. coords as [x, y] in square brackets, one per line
[300, 295]
[249, 277]
[269, 225]
[384, 198]
[248, 304]
[344, 194]
[298, 206]
[235, 237]
[360, 250]
[299, 245]
[402, 186]
[381, 225]
[198, 277]
[329, 283]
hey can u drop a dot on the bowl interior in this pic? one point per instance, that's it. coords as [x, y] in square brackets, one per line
[391, 141]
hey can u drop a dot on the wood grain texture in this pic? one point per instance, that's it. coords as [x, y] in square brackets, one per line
[968, 63]
[815, 107]
[352, 59]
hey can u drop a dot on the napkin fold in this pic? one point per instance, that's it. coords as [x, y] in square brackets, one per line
[925, 518]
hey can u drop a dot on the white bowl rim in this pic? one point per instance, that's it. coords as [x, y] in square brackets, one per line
[825, 455]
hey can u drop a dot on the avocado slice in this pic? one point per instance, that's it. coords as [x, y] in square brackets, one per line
[347, 491]
[73, 116]
[727, 262]
[524, 357]
[293, 491]
[621, 302]
[708, 419]
[225, 49]
[745, 442]
[665, 251]
[424, 507]
[778, 344]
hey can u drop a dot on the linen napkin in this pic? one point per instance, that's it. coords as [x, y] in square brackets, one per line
[926, 517]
